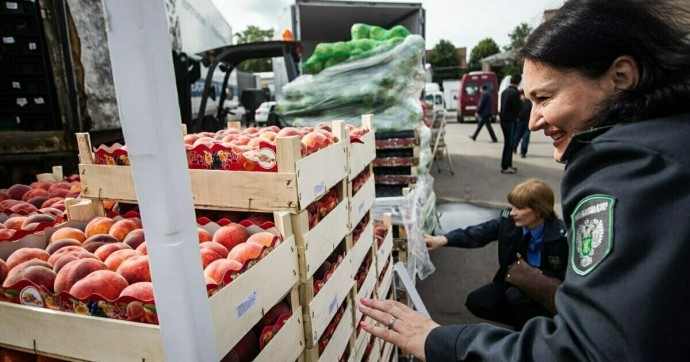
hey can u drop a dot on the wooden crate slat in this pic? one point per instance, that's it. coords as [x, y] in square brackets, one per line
[288, 344]
[360, 155]
[366, 291]
[387, 351]
[362, 202]
[319, 242]
[320, 310]
[241, 304]
[340, 338]
[386, 282]
[361, 343]
[316, 175]
[384, 251]
[362, 247]
[77, 336]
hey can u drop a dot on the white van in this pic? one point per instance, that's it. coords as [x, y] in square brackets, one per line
[435, 100]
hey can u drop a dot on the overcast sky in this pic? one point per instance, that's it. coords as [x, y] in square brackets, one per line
[463, 22]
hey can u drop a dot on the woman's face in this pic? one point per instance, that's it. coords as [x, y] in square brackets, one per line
[562, 102]
[525, 217]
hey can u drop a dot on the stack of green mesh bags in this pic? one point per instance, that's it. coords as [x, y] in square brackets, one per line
[379, 71]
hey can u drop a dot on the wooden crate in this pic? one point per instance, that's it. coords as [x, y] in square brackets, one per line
[340, 340]
[361, 202]
[383, 252]
[387, 351]
[362, 247]
[385, 283]
[366, 291]
[316, 245]
[360, 155]
[298, 182]
[235, 309]
[361, 339]
[319, 309]
[288, 344]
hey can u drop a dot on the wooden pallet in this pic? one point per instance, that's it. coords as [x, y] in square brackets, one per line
[360, 155]
[298, 182]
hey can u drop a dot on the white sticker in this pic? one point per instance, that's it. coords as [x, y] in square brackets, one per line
[16, 85]
[22, 102]
[39, 100]
[333, 305]
[8, 39]
[11, 5]
[319, 188]
[246, 304]
[32, 46]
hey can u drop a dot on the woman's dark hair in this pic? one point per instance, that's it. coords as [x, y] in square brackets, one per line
[588, 35]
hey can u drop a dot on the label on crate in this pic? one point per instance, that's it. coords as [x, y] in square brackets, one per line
[39, 100]
[246, 304]
[319, 188]
[361, 207]
[333, 305]
[16, 85]
[22, 102]
[8, 39]
[32, 46]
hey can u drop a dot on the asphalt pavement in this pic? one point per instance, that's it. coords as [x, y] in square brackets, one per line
[476, 193]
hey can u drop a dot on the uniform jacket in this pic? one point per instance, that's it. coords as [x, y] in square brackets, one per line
[554, 246]
[625, 297]
[484, 105]
[510, 104]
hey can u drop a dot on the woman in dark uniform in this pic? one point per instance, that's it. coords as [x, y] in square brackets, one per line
[529, 232]
[610, 85]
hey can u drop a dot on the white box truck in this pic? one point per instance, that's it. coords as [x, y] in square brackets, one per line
[451, 92]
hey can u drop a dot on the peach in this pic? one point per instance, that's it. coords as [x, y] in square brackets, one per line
[34, 262]
[263, 238]
[208, 256]
[203, 235]
[217, 269]
[121, 228]
[190, 139]
[33, 220]
[50, 201]
[41, 185]
[135, 269]
[99, 225]
[38, 201]
[287, 132]
[39, 275]
[96, 241]
[114, 260]
[218, 248]
[62, 193]
[59, 244]
[105, 250]
[245, 252]
[231, 235]
[67, 258]
[141, 290]
[76, 187]
[105, 283]
[142, 249]
[17, 191]
[65, 249]
[59, 185]
[259, 218]
[15, 222]
[21, 255]
[3, 271]
[134, 238]
[23, 208]
[33, 193]
[75, 271]
[68, 233]
[4, 195]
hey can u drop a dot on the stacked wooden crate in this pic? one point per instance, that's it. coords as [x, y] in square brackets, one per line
[397, 159]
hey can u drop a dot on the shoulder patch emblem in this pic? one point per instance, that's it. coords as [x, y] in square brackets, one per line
[592, 232]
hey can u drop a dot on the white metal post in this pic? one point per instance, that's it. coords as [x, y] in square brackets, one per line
[143, 74]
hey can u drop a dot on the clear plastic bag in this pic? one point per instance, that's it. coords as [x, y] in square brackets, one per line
[386, 84]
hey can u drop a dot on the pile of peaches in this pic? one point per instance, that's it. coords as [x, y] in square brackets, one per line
[108, 261]
[360, 180]
[320, 208]
[33, 207]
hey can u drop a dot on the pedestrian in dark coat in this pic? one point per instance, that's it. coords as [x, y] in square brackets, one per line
[522, 131]
[484, 114]
[612, 93]
[510, 109]
[529, 232]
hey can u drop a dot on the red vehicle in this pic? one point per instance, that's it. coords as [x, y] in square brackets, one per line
[470, 88]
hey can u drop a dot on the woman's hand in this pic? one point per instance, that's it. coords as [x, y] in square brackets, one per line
[400, 325]
[435, 242]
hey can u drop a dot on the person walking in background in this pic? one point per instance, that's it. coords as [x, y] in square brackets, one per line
[522, 131]
[610, 83]
[484, 114]
[510, 109]
[532, 255]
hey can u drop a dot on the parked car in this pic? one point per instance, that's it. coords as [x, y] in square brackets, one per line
[261, 113]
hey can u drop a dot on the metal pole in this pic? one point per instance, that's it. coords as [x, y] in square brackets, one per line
[143, 74]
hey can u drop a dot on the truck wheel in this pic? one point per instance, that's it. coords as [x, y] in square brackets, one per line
[460, 118]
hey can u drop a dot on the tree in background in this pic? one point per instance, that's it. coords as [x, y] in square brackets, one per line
[483, 49]
[518, 37]
[444, 61]
[255, 34]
